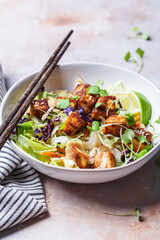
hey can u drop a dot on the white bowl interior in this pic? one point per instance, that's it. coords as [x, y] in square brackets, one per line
[65, 76]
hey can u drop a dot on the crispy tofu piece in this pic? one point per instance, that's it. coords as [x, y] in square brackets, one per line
[113, 128]
[107, 102]
[39, 107]
[73, 103]
[81, 89]
[87, 101]
[73, 124]
[104, 160]
[135, 141]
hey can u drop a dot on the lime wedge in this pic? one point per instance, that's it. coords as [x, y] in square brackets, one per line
[134, 102]
[118, 87]
[145, 107]
[127, 103]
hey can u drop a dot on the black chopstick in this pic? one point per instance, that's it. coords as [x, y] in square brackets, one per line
[33, 84]
[16, 116]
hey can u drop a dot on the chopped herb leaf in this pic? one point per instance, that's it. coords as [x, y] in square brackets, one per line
[142, 139]
[98, 105]
[128, 136]
[75, 97]
[134, 61]
[94, 89]
[63, 103]
[145, 35]
[158, 120]
[103, 92]
[99, 83]
[140, 52]
[62, 125]
[127, 56]
[129, 118]
[135, 29]
[141, 153]
[148, 148]
[95, 126]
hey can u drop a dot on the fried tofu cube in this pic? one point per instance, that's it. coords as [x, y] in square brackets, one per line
[135, 141]
[87, 101]
[73, 103]
[81, 89]
[107, 107]
[39, 107]
[73, 124]
[116, 123]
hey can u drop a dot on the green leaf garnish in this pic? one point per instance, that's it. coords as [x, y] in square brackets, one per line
[62, 125]
[98, 105]
[128, 136]
[129, 118]
[158, 120]
[95, 126]
[145, 35]
[140, 52]
[99, 83]
[63, 103]
[148, 148]
[127, 56]
[75, 97]
[139, 34]
[138, 61]
[93, 90]
[141, 153]
[103, 93]
[135, 29]
[41, 95]
[142, 139]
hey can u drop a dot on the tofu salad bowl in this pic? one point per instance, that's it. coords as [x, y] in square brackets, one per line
[90, 123]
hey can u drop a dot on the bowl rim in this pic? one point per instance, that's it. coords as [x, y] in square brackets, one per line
[16, 84]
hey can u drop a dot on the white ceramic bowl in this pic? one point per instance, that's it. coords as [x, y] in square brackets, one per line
[64, 77]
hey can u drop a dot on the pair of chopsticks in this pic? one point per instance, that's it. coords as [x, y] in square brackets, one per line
[31, 92]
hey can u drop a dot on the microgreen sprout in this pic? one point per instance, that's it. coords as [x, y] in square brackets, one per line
[103, 92]
[96, 89]
[94, 127]
[138, 61]
[129, 118]
[62, 126]
[99, 83]
[134, 211]
[135, 33]
[93, 89]
[63, 103]
[128, 136]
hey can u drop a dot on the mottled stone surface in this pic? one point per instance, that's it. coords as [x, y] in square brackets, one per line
[29, 31]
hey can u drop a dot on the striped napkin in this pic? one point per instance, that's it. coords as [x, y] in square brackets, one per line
[21, 192]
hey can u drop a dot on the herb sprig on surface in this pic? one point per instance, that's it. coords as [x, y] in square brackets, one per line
[136, 33]
[134, 211]
[138, 60]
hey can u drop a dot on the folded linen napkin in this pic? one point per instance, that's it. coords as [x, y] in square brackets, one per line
[21, 192]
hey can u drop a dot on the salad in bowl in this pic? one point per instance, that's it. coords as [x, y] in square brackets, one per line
[90, 128]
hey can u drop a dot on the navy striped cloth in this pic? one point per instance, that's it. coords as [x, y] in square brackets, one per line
[21, 192]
